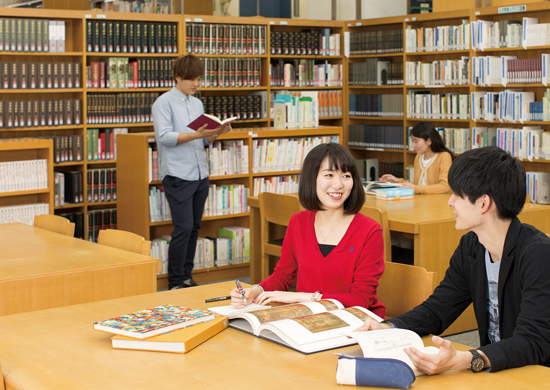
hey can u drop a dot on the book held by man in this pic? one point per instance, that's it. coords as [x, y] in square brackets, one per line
[396, 193]
[307, 327]
[155, 321]
[178, 341]
[212, 121]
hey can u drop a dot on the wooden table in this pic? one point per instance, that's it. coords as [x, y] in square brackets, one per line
[58, 349]
[40, 269]
[429, 221]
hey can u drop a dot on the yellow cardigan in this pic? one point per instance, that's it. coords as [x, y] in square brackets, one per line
[436, 175]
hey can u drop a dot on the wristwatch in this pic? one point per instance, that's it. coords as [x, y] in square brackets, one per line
[477, 364]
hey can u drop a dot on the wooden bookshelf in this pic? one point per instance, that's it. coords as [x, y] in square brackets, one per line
[133, 191]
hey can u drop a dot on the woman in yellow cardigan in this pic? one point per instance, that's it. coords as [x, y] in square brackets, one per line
[431, 164]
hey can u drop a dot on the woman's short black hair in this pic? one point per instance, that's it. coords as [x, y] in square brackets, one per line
[426, 130]
[188, 67]
[339, 158]
[490, 171]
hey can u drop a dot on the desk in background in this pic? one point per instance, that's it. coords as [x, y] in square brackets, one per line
[40, 269]
[429, 221]
[58, 349]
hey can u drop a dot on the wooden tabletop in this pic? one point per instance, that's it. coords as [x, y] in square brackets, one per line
[58, 349]
[30, 251]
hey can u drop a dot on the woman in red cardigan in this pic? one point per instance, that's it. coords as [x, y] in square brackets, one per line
[332, 250]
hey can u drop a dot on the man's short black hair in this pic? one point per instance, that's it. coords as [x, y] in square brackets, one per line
[490, 171]
[339, 158]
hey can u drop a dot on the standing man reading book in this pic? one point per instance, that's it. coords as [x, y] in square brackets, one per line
[183, 167]
[502, 266]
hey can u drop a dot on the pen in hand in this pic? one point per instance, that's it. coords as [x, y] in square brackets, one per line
[217, 299]
[238, 283]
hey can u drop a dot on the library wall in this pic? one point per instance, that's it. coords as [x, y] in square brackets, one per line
[371, 9]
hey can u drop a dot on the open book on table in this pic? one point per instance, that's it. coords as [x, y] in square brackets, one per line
[388, 343]
[307, 327]
[212, 121]
[370, 186]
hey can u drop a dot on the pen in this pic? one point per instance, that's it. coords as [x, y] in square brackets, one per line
[217, 299]
[238, 283]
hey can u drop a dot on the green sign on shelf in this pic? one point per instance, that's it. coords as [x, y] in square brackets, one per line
[509, 10]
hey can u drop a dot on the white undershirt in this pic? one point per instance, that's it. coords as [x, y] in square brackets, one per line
[424, 165]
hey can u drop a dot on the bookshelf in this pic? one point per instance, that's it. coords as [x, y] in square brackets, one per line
[12, 150]
[134, 185]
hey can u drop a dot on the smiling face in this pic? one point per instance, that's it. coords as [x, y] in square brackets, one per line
[467, 214]
[188, 87]
[420, 145]
[333, 186]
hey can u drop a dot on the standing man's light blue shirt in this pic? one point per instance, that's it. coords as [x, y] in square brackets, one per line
[172, 112]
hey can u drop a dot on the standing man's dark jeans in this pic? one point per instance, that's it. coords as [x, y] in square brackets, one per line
[186, 200]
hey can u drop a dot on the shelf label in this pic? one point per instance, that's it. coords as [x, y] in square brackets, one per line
[478, 13]
[101, 16]
[88, 16]
[414, 18]
[359, 24]
[406, 19]
[509, 10]
[271, 22]
[151, 140]
[349, 24]
[252, 134]
[187, 19]
[198, 20]
[283, 22]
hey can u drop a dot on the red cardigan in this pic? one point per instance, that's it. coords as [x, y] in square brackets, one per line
[349, 273]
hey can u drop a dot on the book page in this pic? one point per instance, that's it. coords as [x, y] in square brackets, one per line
[389, 343]
[318, 331]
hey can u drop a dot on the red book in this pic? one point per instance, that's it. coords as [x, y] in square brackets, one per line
[112, 146]
[212, 121]
[101, 146]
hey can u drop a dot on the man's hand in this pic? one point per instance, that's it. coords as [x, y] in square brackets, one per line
[447, 359]
[373, 325]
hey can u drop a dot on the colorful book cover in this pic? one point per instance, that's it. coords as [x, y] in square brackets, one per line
[394, 193]
[155, 321]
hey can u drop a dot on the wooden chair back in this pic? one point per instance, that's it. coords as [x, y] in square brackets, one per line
[275, 209]
[54, 223]
[1, 379]
[124, 240]
[403, 287]
[380, 216]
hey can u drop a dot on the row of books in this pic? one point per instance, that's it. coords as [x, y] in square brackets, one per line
[456, 139]
[159, 210]
[231, 72]
[330, 102]
[154, 163]
[68, 187]
[442, 72]
[23, 213]
[488, 34]
[140, 6]
[67, 148]
[376, 42]
[226, 199]
[286, 154]
[23, 175]
[492, 70]
[538, 187]
[377, 137]
[159, 250]
[232, 246]
[227, 158]
[305, 73]
[78, 220]
[422, 104]
[123, 107]
[252, 106]
[391, 168]
[389, 105]
[32, 35]
[526, 143]
[297, 111]
[287, 184]
[509, 106]
[375, 71]
[206, 38]
[101, 185]
[440, 38]
[100, 220]
[121, 72]
[367, 169]
[101, 143]
[40, 113]
[103, 36]
[39, 75]
[306, 42]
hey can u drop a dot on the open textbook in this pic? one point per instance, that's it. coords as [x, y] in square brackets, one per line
[307, 327]
[388, 343]
[371, 186]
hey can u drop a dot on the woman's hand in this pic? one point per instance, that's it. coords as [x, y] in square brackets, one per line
[407, 185]
[249, 293]
[389, 178]
[283, 297]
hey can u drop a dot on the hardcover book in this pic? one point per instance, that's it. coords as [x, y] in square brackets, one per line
[306, 327]
[210, 120]
[394, 193]
[153, 322]
[178, 341]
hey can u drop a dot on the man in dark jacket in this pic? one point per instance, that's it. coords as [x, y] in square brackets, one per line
[502, 266]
